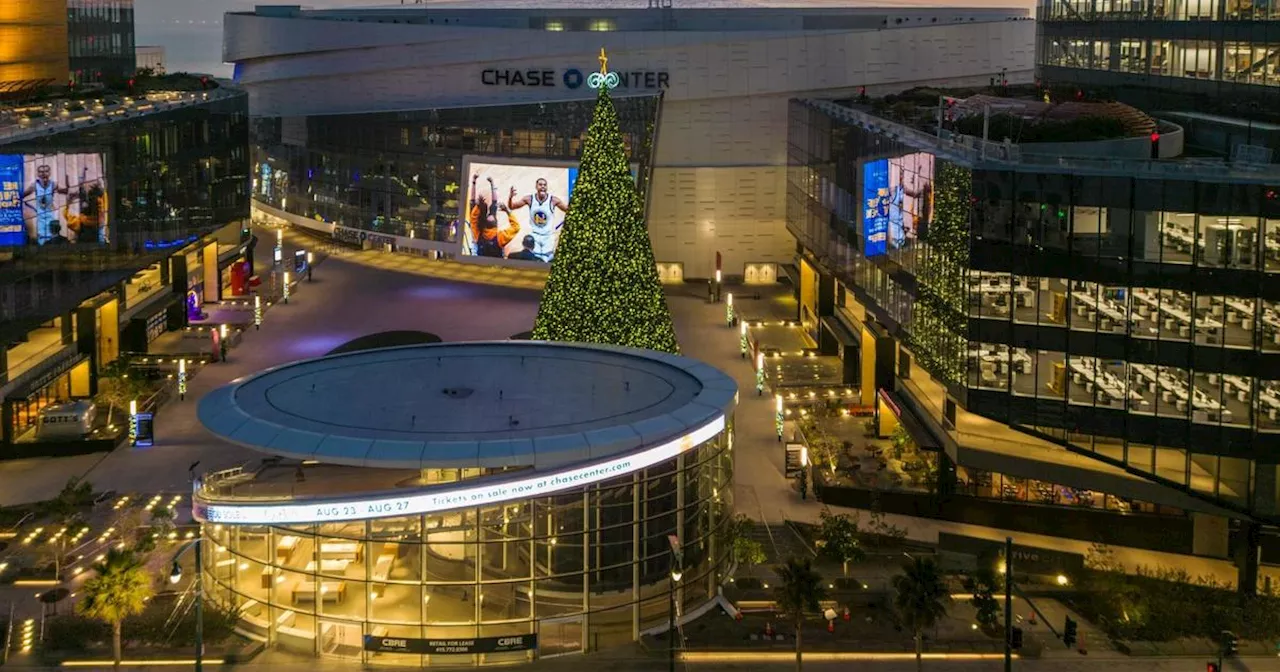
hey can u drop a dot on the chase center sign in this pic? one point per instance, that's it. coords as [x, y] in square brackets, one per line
[572, 78]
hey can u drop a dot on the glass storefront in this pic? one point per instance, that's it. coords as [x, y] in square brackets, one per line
[583, 570]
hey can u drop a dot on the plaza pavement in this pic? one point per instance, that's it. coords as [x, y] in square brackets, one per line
[349, 296]
[362, 292]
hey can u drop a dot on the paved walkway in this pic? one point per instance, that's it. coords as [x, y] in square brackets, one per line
[759, 487]
[362, 292]
[351, 295]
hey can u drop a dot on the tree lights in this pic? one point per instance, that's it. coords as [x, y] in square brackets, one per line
[603, 286]
[938, 334]
[759, 373]
[778, 421]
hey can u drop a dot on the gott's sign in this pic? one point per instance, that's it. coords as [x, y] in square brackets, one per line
[572, 78]
[441, 646]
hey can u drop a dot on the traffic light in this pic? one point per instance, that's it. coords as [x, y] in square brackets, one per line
[204, 82]
[1155, 145]
[1015, 641]
[1230, 643]
[1069, 633]
[1211, 667]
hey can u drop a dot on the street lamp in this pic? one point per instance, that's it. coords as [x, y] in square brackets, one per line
[676, 573]
[175, 575]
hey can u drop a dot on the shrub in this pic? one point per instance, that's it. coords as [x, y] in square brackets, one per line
[1164, 604]
[1018, 129]
[73, 632]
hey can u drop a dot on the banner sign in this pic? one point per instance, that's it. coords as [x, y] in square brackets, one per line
[454, 496]
[875, 205]
[12, 227]
[444, 646]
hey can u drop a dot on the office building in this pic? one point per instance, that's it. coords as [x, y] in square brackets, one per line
[33, 45]
[1068, 319]
[115, 212]
[100, 40]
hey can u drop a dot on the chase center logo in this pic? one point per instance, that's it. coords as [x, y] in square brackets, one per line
[572, 78]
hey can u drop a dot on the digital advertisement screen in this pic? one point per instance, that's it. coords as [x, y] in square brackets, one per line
[52, 199]
[515, 211]
[875, 207]
[898, 201]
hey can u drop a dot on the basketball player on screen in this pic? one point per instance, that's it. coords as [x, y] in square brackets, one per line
[540, 205]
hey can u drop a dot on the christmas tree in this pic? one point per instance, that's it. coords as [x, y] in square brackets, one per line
[603, 286]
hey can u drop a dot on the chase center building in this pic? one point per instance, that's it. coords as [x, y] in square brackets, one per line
[371, 122]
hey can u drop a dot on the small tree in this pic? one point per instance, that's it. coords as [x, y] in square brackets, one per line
[982, 584]
[120, 589]
[921, 599]
[883, 529]
[801, 591]
[64, 511]
[160, 525]
[902, 442]
[840, 538]
[747, 552]
[116, 388]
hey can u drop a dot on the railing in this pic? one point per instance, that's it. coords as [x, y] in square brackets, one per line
[983, 154]
[66, 120]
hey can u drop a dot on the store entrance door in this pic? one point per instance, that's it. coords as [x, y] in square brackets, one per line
[559, 636]
[341, 640]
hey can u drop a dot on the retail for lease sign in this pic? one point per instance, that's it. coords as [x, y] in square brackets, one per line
[455, 496]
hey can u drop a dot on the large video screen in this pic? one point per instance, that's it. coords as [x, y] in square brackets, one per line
[898, 201]
[53, 199]
[515, 211]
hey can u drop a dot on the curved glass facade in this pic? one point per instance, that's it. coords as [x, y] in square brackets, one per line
[582, 570]
[401, 173]
[1128, 316]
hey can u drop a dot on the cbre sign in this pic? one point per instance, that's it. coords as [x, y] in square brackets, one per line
[446, 646]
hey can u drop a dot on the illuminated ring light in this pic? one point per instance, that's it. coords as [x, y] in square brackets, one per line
[610, 80]
[679, 405]
[481, 492]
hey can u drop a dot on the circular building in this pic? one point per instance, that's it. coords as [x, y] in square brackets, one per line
[469, 503]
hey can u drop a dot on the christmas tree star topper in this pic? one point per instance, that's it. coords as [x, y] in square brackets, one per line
[604, 62]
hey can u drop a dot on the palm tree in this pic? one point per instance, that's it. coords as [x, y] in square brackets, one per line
[921, 599]
[800, 591]
[120, 589]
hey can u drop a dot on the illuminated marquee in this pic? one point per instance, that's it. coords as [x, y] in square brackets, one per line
[452, 497]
